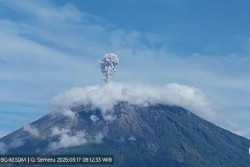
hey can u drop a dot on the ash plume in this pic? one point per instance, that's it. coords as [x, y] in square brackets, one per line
[107, 65]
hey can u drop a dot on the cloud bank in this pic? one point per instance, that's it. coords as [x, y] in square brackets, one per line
[106, 96]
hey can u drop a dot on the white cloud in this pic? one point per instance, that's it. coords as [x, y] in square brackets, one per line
[32, 131]
[132, 138]
[237, 128]
[4, 148]
[94, 118]
[98, 138]
[109, 116]
[70, 114]
[66, 140]
[56, 131]
[107, 95]
[45, 11]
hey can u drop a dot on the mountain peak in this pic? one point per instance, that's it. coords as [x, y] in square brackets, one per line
[106, 96]
[159, 134]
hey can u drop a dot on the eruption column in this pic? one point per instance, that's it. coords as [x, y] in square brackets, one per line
[107, 64]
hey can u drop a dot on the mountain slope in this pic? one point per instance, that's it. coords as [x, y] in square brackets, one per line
[154, 135]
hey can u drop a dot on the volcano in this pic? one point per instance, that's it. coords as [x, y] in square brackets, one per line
[137, 135]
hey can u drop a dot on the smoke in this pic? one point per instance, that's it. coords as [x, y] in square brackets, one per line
[107, 64]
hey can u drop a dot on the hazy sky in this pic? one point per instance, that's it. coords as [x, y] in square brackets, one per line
[47, 47]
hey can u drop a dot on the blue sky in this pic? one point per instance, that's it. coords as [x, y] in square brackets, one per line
[47, 47]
